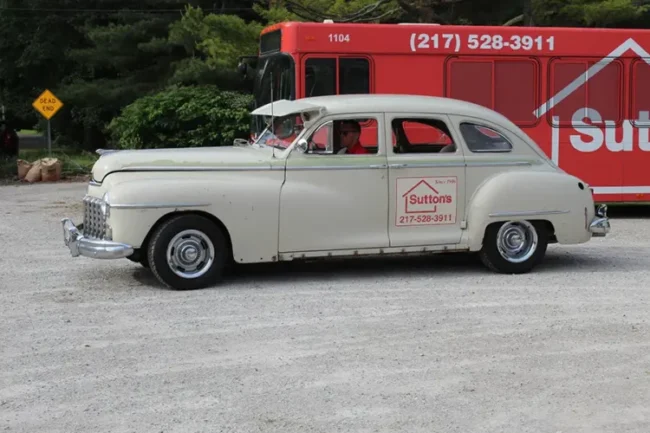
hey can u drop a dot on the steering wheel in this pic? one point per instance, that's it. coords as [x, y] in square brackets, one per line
[313, 145]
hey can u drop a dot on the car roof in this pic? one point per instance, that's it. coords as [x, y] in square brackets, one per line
[395, 103]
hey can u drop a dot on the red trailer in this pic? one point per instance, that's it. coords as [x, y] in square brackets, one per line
[583, 94]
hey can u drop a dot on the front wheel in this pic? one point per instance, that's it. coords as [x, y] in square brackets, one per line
[514, 247]
[187, 252]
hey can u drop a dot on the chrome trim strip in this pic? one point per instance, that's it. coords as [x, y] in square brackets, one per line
[462, 164]
[427, 165]
[157, 205]
[201, 168]
[526, 213]
[491, 150]
[337, 167]
[499, 163]
[325, 167]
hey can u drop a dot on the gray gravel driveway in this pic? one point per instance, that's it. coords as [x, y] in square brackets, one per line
[420, 345]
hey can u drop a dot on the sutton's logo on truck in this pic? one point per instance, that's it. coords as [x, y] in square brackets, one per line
[591, 135]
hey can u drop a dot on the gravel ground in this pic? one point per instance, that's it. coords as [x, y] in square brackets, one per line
[420, 345]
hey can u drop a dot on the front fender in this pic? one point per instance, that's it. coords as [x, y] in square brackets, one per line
[247, 203]
[532, 195]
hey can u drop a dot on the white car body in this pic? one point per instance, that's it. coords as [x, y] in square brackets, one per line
[266, 204]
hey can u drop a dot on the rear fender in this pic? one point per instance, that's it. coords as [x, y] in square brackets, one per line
[559, 198]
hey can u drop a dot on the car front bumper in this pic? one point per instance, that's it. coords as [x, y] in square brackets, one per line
[599, 226]
[94, 248]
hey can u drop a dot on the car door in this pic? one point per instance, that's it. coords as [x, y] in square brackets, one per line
[332, 201]
[426, 174]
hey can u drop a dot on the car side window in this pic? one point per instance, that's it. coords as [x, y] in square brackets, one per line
[422, 135]
[480, 138]
[320, 140]
[350, 136]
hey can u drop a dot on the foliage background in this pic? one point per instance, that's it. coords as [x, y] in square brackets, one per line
[163, 72]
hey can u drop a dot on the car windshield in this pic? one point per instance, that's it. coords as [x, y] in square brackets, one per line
[281, 135]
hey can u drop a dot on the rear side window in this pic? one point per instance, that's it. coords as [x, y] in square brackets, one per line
[480, 138]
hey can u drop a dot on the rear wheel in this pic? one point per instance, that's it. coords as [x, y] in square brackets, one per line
[187, 252]
[514, 247]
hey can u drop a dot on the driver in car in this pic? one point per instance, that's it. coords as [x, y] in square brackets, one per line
[350, 132]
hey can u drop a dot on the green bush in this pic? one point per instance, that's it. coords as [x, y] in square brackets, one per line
[183, 116]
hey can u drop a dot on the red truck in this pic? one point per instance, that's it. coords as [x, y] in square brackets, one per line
[583, 94]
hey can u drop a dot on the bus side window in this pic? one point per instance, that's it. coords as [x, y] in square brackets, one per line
[354, 76]
[320, 76]
[640, 88]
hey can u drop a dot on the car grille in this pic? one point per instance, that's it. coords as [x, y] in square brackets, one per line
[94, 221]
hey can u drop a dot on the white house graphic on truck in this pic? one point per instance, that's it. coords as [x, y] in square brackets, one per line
[574, 85]
[629, 45]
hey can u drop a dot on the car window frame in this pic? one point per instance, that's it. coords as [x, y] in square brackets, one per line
[414, 116]
[494, 128]
[377, 116]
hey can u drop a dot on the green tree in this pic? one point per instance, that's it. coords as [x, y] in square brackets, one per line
[591, 13]
[96, 55]
[126, 55]
[318, 10]
[213, 44]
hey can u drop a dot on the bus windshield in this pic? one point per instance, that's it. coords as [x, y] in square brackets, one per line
[275, 78]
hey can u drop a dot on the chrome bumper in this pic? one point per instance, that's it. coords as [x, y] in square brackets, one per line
[94, 248]
[599, 226]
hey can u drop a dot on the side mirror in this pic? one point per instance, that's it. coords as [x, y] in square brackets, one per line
[242, 69]
[302, 145]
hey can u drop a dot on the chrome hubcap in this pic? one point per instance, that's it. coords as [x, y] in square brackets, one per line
[517, 241]
[190, 254]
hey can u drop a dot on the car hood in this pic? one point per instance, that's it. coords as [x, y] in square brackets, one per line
[185, 158]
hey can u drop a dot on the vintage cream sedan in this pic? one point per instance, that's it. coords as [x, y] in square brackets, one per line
[434, 175]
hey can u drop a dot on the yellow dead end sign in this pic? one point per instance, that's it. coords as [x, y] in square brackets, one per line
[48, 105]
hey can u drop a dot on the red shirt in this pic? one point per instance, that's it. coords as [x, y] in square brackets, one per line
[357, 149]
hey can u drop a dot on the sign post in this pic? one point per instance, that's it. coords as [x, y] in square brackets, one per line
[48, 105]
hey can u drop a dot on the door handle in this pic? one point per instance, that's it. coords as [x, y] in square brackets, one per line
[397, 166]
